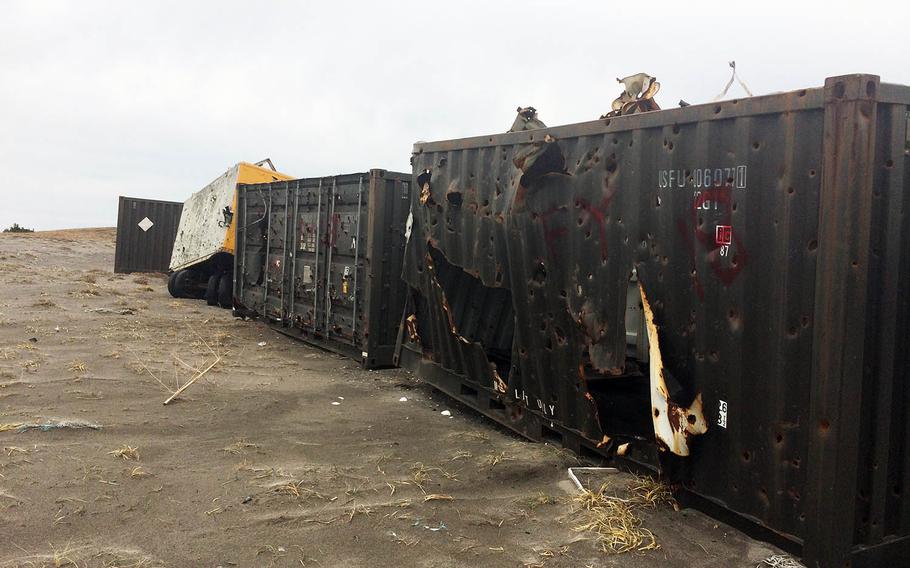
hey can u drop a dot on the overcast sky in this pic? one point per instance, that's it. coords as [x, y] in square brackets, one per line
[155, 99]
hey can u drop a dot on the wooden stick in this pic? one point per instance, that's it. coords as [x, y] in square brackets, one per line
[193, 380]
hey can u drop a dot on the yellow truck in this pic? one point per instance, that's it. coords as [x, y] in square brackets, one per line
[202, 260]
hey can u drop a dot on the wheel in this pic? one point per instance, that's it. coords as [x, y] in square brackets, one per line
[181, 283]
[171, 284]
[187, 284]
[211, 289]
[226, 290]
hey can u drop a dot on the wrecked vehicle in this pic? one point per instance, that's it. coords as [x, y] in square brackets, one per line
[202, 256]
[718, 291]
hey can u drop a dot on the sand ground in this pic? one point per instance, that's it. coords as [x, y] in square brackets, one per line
[255, 465]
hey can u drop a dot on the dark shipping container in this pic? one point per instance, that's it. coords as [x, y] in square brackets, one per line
[321, 259]
[146, 229]
[770, 236]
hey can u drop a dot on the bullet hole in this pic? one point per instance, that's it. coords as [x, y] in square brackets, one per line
[801, 93]
[889, 164]
[839, 90]
[779, 438]
[691, 419]
[665, 142]
[870, 88]
[675, 129]
[812, 173]
[701, 221]
[756, 145]
[540, 273]
[790, 190]
[804, 321]
[522, 351]
[588, 234]
[499, 277]
[580, 221]
[795, 462]
[791, 331]
[656, 201]
[656, 413]
[854, 264]
[734, 206]
[716, 109]
[455, 198]
[824, 425]
[630, 143]
[563, 293]
[747, 456]
[549, 344]
[794, 494]
[813, 244]
[714, 356]
[670, 146]
[607, 122]
[560, 335]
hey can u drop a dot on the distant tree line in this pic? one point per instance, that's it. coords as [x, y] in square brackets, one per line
[15, 228]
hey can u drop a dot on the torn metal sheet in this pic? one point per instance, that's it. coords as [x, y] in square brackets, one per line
[673, 424]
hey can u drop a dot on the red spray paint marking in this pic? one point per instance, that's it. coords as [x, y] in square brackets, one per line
[708, 240]
[597, 212]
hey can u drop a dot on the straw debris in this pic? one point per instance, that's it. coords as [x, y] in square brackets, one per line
[126, 452]
[615, 521]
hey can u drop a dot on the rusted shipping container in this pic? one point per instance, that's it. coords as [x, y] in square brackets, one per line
[146, 229]
[321, 259]
[718, 291]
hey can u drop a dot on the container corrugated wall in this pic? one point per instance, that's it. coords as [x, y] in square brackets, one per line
[146, 229]
[321, 259]
[771, 237]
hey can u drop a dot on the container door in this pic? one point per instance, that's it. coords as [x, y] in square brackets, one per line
[252, 236]
[274, 284]
[344, 277]
[308, 229]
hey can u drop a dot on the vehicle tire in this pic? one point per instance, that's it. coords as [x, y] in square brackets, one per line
[171, 284]
[226, 290]
[186, 284]
[211, 289]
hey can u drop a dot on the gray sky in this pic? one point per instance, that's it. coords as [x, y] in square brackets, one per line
[155, 99]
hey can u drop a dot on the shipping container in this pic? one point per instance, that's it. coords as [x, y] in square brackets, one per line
[718, 291]
[146, 229]
[321, 258]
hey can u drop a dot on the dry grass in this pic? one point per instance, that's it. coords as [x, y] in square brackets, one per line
[126, 452]
[538, 500]
[44, 303]
[141, 280]
[438, 497]
[239, 447]
[84, 556]
[76, 366]
[615, 521]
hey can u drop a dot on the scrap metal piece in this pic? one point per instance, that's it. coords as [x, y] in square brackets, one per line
[526, 120]
[637, 96]
[674, 424]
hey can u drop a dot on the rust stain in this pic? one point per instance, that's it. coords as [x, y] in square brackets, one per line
[674, 424]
